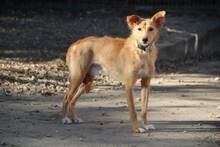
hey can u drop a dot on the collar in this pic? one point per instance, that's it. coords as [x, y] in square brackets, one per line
[144, 48]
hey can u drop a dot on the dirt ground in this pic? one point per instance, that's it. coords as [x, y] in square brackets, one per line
[184, 107]
[184, 103]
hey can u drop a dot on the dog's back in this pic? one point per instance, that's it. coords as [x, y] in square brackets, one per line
[102, 51]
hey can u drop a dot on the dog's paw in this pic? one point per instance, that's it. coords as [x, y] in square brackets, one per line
[67, 120]
[145, 129]
[77, 120]
[149, 127]
[141, 130]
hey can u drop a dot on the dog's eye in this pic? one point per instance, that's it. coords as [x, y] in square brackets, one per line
[139, 29]
[150, 29]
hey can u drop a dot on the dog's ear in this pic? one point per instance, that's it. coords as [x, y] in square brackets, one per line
[133, 20]
[159, 18]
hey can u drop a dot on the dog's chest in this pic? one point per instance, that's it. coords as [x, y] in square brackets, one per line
[143, 69]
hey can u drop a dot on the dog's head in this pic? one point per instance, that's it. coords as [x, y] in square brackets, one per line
[146, 31]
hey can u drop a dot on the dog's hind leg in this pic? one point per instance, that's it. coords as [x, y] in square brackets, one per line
[78, 70]
[85, 86]
[75, 81]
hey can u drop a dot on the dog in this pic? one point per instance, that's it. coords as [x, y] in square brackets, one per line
[129, 59]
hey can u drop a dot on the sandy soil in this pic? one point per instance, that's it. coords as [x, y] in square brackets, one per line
[184, 107]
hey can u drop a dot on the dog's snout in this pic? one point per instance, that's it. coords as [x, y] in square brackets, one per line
[145, 40]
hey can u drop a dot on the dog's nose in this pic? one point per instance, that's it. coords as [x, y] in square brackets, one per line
[145, 40]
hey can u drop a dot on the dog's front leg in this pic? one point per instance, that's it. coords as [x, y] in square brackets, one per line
[131, 108]
[145, 90]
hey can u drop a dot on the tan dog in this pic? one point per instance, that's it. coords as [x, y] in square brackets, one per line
[129, 59]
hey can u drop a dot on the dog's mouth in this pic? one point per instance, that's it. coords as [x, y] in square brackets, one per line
[144, 47]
